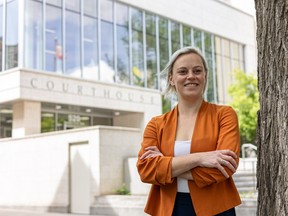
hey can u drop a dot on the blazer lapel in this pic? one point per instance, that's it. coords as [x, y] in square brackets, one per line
[169, 133]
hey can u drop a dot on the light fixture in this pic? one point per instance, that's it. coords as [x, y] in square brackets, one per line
[116, 113]
[58, 107]
[6, 111]
[88, 110]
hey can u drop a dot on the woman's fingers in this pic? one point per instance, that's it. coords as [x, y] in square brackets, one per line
[230, 160]
[151, 151]
[222, 170]
[227, 164]
[228, 153]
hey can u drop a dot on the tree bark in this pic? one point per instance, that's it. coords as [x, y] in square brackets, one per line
[272, 131]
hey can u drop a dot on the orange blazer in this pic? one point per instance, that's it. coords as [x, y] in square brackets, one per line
[216, 128]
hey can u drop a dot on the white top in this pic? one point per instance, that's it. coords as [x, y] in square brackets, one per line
[182, 148]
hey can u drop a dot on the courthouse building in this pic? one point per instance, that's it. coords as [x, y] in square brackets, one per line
[79, 80]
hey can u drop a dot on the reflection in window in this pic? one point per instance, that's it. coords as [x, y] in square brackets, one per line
[163, 47]
[164, 43]
[226, 47]
[1, 32]
[33, 35]
[102, 121]
[11, 34]
[107, 73]
[6, 117]
[186, 36]
[54, 46]
[175, 36]
[122, 44]
[198, 39]
[72, 121]
[72, 40]
[47, 122]
[90, 70]
[151, 51]
[209, 59]
[219, 70]
[137, 48]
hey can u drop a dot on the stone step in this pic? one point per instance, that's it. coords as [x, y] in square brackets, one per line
[121, 205]
[130, 205]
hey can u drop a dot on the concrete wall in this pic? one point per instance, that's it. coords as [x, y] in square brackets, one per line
[35, 169]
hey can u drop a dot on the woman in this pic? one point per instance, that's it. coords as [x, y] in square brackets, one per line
[190, 153]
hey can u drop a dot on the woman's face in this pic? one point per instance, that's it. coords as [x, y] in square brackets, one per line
[188, 76]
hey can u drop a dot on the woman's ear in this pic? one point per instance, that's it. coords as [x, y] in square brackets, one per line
[171, 81]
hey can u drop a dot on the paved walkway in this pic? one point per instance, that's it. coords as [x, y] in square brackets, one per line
[14, 212]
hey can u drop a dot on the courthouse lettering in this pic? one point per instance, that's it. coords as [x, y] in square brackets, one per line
[91, 90]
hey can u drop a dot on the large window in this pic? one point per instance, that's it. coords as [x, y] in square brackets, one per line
[53, 46]
[163, 42]
[211, 91]
[175, 36]
[33, 57]
[90, 40]
[152, 81]
[137, 48]
[72, 38]
[6, 117]
[107, 72]
[198, 39]
[11, 46]
[122, 22]
[1, 33]
[186, 36]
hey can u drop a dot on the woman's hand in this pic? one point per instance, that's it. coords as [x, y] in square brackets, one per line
[151, 152]
[218, 159]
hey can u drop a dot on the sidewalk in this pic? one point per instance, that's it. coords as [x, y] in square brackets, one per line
[15, 212]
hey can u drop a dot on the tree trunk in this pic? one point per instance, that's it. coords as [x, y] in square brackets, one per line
[272, 132]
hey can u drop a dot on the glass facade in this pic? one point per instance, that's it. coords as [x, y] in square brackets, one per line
[64, 117]
[109, 41]
[6, 118]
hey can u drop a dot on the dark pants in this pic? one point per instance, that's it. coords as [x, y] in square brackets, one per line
[184, 207]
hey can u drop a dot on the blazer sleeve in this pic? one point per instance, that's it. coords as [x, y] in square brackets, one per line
[155, 170]
[229, 138]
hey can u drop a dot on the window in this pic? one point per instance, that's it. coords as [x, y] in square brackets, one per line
[151, 51]
[163, 42]
[122, 23]
[186, 36]
[11, 34]
[53, 46]
[90, 40]
[107, 73]
[6, 116]
[198, 39]
[175, 36]
[72, 38]
[137, 48]
[33, 35]
[1, 33]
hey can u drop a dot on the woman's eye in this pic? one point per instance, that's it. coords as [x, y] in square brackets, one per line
[182, 72]
[198, 71]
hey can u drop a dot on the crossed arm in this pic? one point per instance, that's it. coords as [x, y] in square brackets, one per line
[182, 165]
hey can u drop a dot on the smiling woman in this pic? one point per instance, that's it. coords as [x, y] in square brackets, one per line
[181, 157]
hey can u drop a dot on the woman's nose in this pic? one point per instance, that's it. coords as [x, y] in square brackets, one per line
[190, 75]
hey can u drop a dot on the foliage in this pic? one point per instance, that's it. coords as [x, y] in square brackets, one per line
[245, 95]
[123, 190]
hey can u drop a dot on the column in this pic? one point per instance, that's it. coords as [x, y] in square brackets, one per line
[26, 118]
